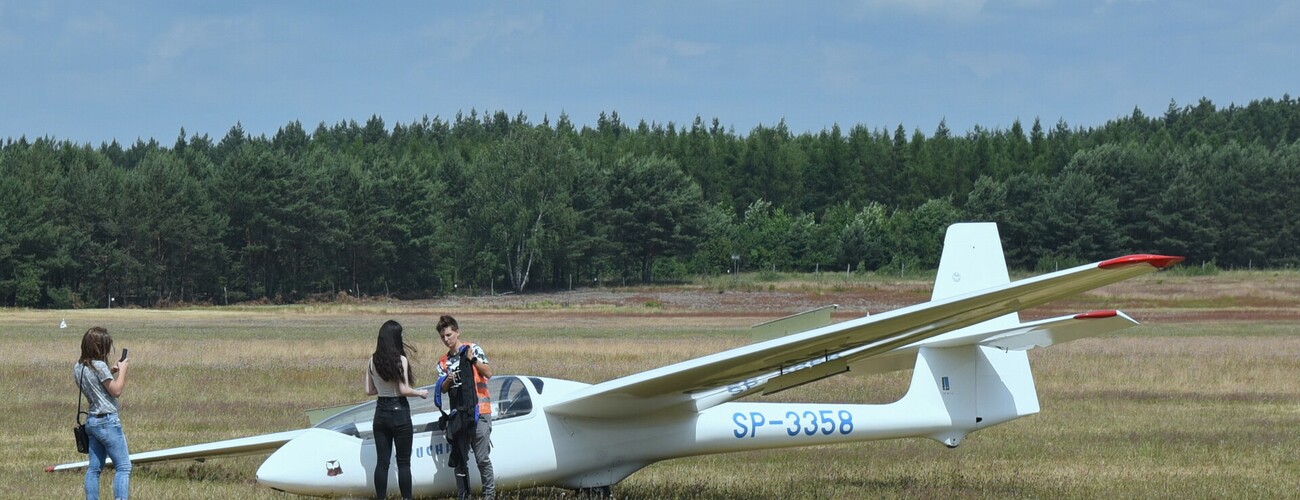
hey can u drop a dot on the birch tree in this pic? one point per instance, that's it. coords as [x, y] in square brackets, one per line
[520, 188]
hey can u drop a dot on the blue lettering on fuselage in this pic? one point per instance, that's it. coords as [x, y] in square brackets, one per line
[433, 450]
[794, 423]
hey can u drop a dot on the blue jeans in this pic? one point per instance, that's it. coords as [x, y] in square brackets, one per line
[107, 441]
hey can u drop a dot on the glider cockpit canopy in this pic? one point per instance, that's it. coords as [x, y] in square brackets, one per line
[510, 399]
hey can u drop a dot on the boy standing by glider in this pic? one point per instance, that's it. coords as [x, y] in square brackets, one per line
[453, 375]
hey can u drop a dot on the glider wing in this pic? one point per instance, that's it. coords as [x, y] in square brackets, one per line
[228, 448]
[827, 351]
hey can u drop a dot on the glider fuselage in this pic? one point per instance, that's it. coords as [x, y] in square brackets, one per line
[540, 449]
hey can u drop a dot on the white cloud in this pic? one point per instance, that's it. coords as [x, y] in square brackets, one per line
[461, 39]
[948, 9]
[847, 67]
[96, 27]
[202, 34]
[9, 41]
[987, 65]
[679, 48]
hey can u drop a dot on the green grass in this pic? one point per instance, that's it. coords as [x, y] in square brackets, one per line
[1207, 409]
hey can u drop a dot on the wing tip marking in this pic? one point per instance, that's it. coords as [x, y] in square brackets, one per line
[1156, 261]
[1106, 313]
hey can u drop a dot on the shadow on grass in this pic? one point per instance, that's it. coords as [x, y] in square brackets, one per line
[195, 471]
[895, 486]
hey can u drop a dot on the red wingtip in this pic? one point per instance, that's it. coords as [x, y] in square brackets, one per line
[1109, 313]
[1156, 261]
[49, 469]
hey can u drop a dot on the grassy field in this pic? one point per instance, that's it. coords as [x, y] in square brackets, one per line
[1180, 407]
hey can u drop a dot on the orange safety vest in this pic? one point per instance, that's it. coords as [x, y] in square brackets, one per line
[480, 384]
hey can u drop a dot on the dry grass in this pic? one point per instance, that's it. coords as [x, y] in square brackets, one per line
[1204, 410]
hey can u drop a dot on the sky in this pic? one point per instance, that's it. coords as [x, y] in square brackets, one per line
[94, 72]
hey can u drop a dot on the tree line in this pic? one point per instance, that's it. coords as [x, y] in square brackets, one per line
[491, 202]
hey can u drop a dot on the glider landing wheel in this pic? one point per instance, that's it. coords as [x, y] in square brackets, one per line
[596, 492]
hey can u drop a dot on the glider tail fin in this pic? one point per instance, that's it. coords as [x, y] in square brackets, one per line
[975, 385]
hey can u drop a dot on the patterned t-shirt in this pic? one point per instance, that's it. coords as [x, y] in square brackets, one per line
[91, 381]
[453, 362]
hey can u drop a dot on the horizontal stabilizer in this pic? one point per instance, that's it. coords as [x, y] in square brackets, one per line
[1060, 330]
[1041, 333]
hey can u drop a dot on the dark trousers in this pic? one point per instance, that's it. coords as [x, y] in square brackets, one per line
[392, 427]
[479, 440]
[460, 445]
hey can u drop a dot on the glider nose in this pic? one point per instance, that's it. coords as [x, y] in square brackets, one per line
[287, 470]
[276, 474]
[318, 462]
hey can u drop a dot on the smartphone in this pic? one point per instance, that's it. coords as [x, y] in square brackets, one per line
[123, 358]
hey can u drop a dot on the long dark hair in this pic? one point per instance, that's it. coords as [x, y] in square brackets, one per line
[96, 344]
[389, 350]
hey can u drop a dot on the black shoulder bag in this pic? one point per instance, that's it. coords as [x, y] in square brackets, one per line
[79, 431]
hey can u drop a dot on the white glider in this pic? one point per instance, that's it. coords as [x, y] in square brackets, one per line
[966, 347]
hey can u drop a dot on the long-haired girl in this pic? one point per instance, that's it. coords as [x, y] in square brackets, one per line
[102, 384]
[388, 375]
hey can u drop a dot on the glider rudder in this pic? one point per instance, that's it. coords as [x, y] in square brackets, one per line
[976, 386]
